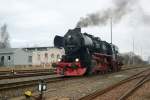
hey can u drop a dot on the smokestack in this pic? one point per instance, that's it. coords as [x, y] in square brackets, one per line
[78, 29]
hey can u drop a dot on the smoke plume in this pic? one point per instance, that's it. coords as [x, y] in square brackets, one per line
[4, 37]
[120, 9]
[145, 18]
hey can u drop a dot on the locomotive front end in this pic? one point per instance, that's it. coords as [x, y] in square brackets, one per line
[70, 64]
[70, 68]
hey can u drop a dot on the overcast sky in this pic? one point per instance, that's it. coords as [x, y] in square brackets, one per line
[36, 22]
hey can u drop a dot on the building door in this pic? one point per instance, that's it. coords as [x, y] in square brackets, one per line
[2, 61]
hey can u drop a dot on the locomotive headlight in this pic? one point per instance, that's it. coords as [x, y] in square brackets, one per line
[59, 60]
[77, 59]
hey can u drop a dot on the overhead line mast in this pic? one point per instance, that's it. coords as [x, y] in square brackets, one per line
[111, 29]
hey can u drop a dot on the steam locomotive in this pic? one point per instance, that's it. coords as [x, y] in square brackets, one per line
[85, 54]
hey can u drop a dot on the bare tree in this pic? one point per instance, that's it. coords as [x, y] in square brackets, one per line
[128, 59]
[4, 37]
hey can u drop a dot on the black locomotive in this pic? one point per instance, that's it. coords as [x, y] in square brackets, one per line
[85, 51]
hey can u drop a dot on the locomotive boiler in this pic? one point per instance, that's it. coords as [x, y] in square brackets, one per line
[85, 54]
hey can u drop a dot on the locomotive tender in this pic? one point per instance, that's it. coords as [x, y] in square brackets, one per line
[85, 54]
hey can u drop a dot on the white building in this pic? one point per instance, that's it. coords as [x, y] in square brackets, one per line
[15, 56]
[30, 56]
[46, 57]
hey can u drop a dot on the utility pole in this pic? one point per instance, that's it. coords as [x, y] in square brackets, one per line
[149, 60]
[111, 29]
[141, 52]
[133, 52]
[113, 55]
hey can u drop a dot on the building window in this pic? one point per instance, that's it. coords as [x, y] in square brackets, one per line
[30, 59]
[52, 55]
[9, 58]
[2, 58]
[39, 58]
[46, 55]
[58, 56]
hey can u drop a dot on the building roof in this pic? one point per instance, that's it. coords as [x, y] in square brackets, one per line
[30, 49]
[36, 48]
[8, 50]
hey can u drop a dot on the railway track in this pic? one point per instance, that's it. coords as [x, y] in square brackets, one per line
[17, 86]
[15, 89]
[3, 72]
[111, 93]
[23, 84]
[11, 74]
[31, 83]
[129, 68]
[137, 85]
[24, 73]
